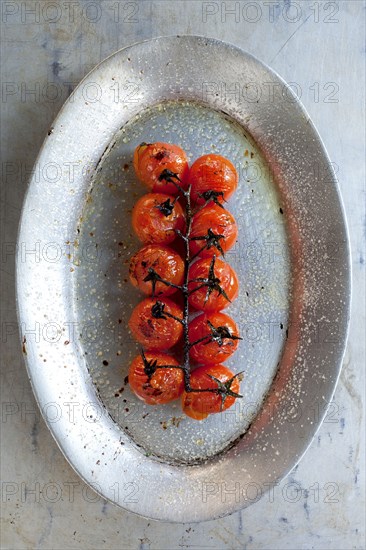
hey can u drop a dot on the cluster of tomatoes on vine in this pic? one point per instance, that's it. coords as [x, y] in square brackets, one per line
[185, 230]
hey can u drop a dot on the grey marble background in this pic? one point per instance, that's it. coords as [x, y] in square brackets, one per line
[47, 47]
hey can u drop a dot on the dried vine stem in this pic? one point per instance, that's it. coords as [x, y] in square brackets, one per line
[211, 282]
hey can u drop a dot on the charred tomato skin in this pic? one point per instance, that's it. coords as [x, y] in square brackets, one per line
[165, 261]
[164, 385]
[151, 159]
[154, 223]
[217, 220]
[227, 280]
[210, 351]
[198, 405]
[212, 173]
[156, 333]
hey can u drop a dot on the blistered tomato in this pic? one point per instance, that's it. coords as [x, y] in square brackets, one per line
[199, 405]
[151, 159]
[156, 218]
[216, 336]
[213, 284]
[156, 324]
[152, 380]
[152, 263]
[212, 173]
[214, 231]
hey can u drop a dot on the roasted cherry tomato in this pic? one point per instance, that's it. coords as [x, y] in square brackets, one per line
[212, 173]
[153, 262]
[151, 159]
[156, 217]
[152, 323]
[152, 384]
[213, 284]
[217, 337]
[214, 231]
[199, 405]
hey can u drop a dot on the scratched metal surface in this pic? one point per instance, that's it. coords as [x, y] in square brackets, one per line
[320, 503]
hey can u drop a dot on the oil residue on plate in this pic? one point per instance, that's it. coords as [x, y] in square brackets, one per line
[104, 297]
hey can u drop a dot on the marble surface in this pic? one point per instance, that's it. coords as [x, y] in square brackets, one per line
[47, 47]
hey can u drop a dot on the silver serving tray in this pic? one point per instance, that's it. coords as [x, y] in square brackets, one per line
[74, 299]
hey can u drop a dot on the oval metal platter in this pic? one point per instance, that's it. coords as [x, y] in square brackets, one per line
[74, 297]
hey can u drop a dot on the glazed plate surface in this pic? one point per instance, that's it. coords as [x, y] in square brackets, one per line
[292, 259]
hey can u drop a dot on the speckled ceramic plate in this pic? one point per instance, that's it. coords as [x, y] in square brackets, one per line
[292, 259]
